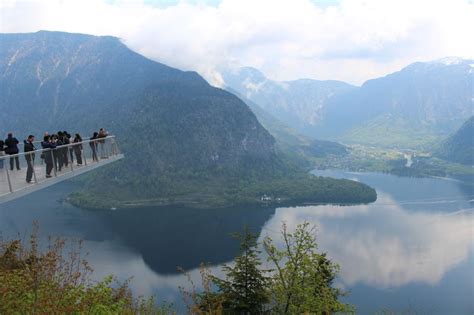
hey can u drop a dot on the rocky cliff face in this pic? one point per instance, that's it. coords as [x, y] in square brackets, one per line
[297, 103]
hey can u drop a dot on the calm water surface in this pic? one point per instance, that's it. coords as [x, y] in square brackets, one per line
[411, 252]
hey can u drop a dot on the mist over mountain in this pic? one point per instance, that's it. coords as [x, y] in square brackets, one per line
[168, 122]
[291, 142]
[417, 105]
[421, 103]
[297, 103]
[184, 140]
[60, 81]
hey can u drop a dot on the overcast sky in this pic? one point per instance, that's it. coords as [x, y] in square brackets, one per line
[349, 40]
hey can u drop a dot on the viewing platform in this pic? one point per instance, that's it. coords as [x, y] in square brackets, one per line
[13, 183]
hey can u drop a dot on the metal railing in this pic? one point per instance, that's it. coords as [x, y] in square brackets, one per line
[27, 169]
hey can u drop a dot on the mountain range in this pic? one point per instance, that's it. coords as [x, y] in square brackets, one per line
[185, 141]
[61, 81]
[413, 107]
[297, 103]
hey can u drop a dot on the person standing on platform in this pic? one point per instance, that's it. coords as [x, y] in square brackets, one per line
[49, 147]
[63, 150]
[78, 148]
[29, 149]
[93, 145]
[12, 149]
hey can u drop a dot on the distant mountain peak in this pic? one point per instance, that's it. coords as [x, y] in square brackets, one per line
[449, 61]
[446, 62]
[250, 73]
[298, 102]
[251, 79]
[68, 34]
[249, 70]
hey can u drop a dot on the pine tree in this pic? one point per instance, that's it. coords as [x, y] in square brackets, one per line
[245, 283]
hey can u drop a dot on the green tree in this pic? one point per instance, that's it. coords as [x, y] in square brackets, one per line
[245, 285]
[302, 282]
[51, 282]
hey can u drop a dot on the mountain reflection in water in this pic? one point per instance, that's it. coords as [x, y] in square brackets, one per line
[410, 250]
[386, 246]
[171, 237]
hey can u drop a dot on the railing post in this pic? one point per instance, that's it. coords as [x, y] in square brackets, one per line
[54, 161]
[34, 173]
[84, 157]
[95, 150]
[9, 180]
[72, 167]
[33, 156]
[113, 146]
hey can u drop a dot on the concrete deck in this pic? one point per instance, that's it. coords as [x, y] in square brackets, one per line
[19, 186]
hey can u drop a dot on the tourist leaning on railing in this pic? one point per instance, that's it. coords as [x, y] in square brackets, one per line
[61, 149]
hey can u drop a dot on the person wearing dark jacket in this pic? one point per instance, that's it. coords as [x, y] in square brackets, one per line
[77, 149]
[48, 154]
[57, 152]
[29, 149]
[61, 151]
[12, 148]
[93, 145]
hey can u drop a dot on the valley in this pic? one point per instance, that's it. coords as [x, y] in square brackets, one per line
[372, 159]
[422, 113]
[226, 157]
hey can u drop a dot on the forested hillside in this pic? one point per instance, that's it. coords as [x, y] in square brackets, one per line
[184, 140]
[459, 147]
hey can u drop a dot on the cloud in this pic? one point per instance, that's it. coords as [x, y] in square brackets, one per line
[385, 246]
[350, 40]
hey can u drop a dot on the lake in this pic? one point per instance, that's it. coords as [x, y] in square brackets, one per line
[412, 251]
